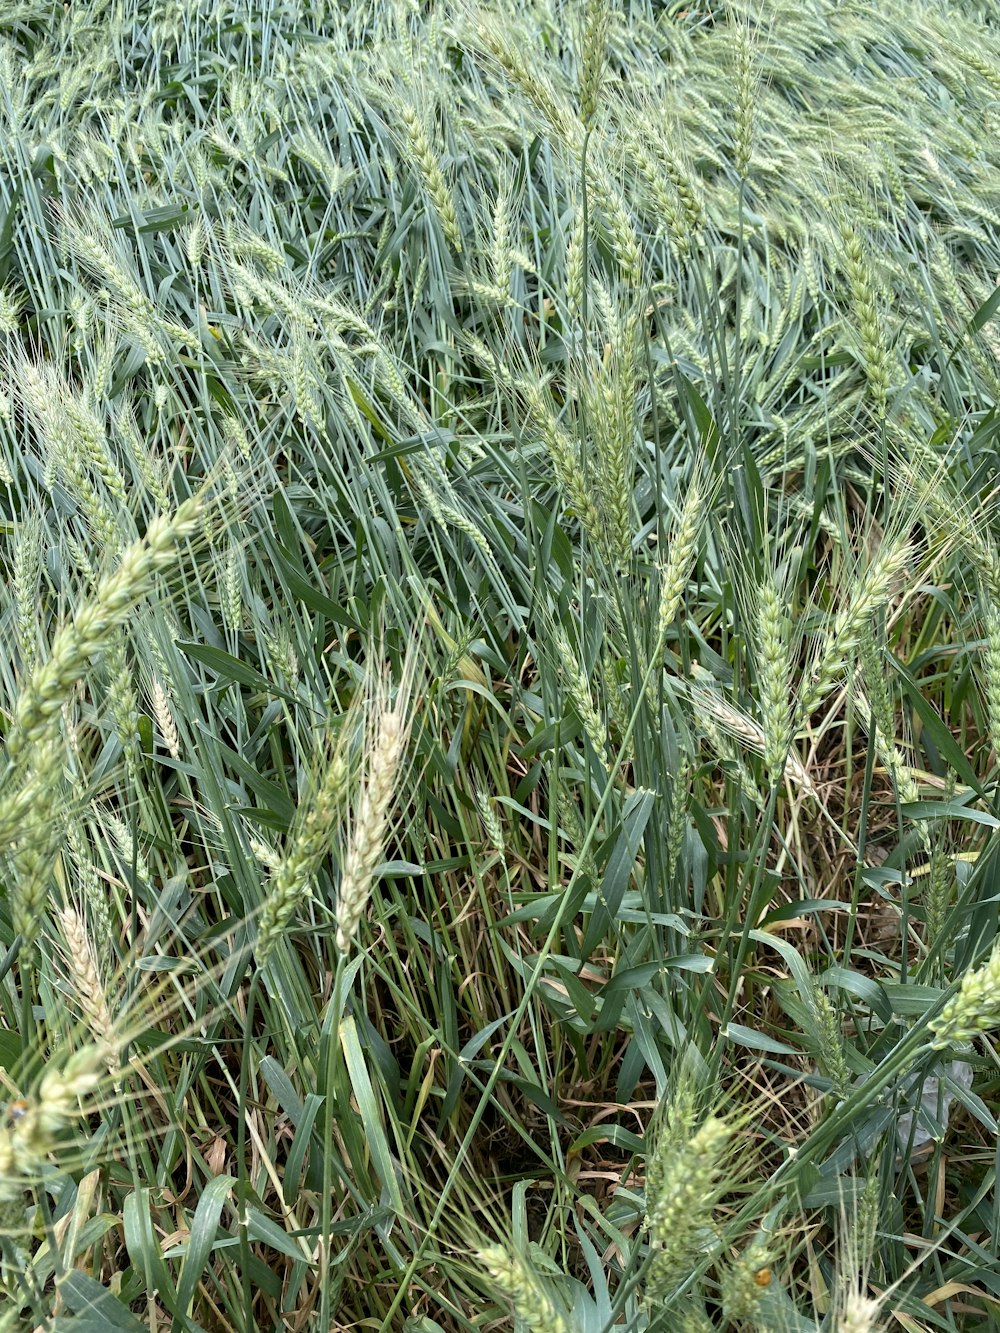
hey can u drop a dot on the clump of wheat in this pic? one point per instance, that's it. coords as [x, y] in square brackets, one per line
[517, 1281]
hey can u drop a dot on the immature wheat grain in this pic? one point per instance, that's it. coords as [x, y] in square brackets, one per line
[91, 888]
[37, 710]
[578, 688]
[532, 82]
[309, 843]
[745, 1282]
[870, 591]
[21, 800]
[973, 1009]
[858, 1314]
[864, 1233]
[712, 708]
[621, 227]
[677, 570]
[744, 109]
[88, 989]
[430, 170]
[991, 672]
[27, 575]
[593, 57]
[491, 820]
[773, 670]
[29, 887]
[682, 1190]
[26, 1143]
[123, 703]
[874, 352]
[167, 727]
[941, 884]
[370, 821]
[610, 408]
[518, 1282]
[830, 1043]
[11, 305]
[563, 451]
[677, 823]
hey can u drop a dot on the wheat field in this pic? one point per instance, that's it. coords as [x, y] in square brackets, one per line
[500, 673]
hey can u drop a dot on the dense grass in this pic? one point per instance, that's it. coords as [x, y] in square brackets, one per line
[501, 673]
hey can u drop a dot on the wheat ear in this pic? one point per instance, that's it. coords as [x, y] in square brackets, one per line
[37, 710]
[370, 823]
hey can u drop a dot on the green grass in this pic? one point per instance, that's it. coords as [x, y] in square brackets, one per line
[500, 687]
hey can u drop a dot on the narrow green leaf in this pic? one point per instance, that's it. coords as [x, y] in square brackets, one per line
[204, 1228]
